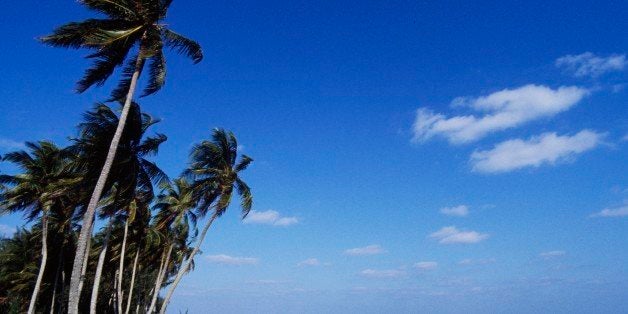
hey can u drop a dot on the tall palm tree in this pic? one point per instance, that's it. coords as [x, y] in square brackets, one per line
[132, 174]
[174, 217]
[216, 173]
[37, 190]
[128, 24]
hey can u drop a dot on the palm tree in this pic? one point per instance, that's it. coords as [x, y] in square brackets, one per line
[174, 215]
[17, 270]
[132, 174]
[37, 190]
[129, 24]
[215, 171]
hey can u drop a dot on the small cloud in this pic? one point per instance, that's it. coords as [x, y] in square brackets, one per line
[267, 282]
[588, 64]
[426, 265]
[11, 145]
[458, 211]
[552, 254]
[387, 273]
[373, 249]
[451, 235]
[309, 262]
[231, 260]
[548, 148]
[621, 211]
[471, 262]
[625, 138]
[498, 111]
[269, 217]
[7, 231]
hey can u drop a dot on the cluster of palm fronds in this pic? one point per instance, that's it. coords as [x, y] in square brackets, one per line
[148, 220]
[147, 236]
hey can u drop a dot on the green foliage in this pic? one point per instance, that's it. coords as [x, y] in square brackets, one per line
[58, 181]
[130, 25]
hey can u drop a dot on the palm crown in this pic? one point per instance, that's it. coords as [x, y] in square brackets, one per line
[130, 24]
[215, 169]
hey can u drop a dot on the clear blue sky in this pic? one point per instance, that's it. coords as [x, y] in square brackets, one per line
[377, 188]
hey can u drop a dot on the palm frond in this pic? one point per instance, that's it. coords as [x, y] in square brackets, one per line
[112, 8]
[156, 74]
[245, 161]
[183, 45]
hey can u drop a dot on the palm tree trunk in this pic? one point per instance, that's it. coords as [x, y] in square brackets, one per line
[88, 217]
[187, 263]
[130, 297]
[121, 267]
[160, 279]
[98, 274]
[85, 262]
[42, 266]
[56, 283]
[115, 295]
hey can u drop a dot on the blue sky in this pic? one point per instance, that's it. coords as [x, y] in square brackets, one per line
[409, 155]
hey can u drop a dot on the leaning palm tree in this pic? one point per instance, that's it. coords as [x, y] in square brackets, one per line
[37, 190]
[128, 24]
[215, 172]
[132, 174]
[175, 214]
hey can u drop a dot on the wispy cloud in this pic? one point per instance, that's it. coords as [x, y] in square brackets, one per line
[552, 254]
[589, 64]
[10, 145]
[386, 273]
[451, 235]
[426, 265]
[458, 211]
[548, 148]
[373, 249]
[7, 231]
[621, 211]
[309, 262]
[481, 261]
[231, 260]
[499, 111]
[269, 217]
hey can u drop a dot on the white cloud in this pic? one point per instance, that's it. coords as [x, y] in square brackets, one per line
[373, 249]
[7, 231]
[548, 148]
[458, 211]
[552, 254]
[426, 265]
[231, 260]
[11, 145]
[501, 110]
[269, 217]
[387, 273]
[451, 235]
[482, 261]
[309, 262]
[621, 211]
[588, 64]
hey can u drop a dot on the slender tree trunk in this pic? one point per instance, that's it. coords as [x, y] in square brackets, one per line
[160, 279]
[61, 303]
[42, 266]
[130, 296]
[84, 269]
[98, 274]
[186, 264]
[115, 295]
[121, 267]
[88, 217]
[56, 283]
